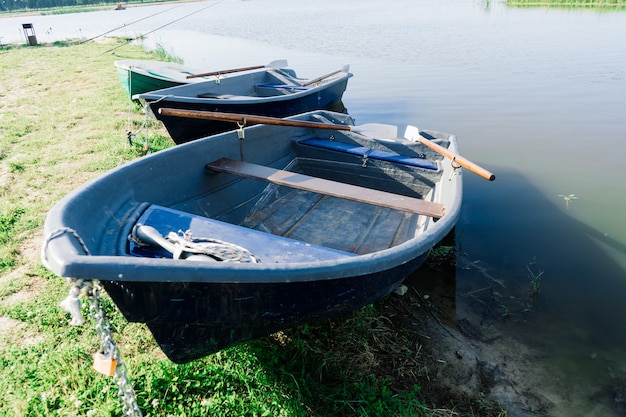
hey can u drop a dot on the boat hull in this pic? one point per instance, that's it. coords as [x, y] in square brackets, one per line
[192, 320]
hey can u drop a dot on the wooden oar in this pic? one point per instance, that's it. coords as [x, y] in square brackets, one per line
[377, 130]
[281, 63]
[346, 68]
[413, 133]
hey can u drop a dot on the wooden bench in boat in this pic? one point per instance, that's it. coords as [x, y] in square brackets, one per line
[328, 187]
[265, 246]
[365, 152]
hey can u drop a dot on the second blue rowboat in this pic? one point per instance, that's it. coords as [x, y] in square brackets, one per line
[275, 92]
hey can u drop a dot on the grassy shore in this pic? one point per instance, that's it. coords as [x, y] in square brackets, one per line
[82, 8]
[104, 6]
[611, 4]
[64, 119]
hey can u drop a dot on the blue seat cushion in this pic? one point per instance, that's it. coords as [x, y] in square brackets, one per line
[371, 153]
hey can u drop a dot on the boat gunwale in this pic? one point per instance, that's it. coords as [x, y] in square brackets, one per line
[164, 269]
[164, 96]
[110, 267]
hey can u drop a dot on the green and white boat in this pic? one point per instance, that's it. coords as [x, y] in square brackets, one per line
[141, 76]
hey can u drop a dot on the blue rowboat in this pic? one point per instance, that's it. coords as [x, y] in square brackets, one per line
[238, 235]
[270, 91]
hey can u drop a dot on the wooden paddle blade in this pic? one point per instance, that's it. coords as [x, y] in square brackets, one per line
[412, 133]
[376, 130]
[279, 63]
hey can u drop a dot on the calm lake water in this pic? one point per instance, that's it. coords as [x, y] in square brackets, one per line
[538, 96]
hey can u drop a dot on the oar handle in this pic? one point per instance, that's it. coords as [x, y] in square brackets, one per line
[228, 71]
[246, 119]
[464, 162]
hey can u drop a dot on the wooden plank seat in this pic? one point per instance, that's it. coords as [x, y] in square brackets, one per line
[267, 247]
[363, 151]
[328, 187]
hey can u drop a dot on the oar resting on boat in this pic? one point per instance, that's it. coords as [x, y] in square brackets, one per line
[373, 129]
[244, 92]
[413, 133]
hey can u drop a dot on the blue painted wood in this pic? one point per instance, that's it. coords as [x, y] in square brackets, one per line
[371, 153]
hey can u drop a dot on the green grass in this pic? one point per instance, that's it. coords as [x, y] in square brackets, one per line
[569, 3]
[12, 10]
[64, 119]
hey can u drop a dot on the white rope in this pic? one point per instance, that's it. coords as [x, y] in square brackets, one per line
[53, 235]
[215, 248]
[183, 245]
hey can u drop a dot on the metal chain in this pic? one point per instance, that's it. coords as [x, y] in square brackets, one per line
[108, 347]
[103, 329]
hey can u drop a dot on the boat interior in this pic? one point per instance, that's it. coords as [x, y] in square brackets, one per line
[265, 83]
[328, 197]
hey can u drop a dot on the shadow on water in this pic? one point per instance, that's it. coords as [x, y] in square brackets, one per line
[522, 281]
[528, 272]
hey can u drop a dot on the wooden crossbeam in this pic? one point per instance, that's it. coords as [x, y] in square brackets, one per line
[328, 187]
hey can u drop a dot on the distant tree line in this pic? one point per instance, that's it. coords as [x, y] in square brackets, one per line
[24, 5]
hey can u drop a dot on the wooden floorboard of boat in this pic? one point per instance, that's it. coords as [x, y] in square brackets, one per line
[327, 187]
[356, 228]
[282, 214]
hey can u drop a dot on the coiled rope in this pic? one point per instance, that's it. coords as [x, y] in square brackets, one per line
[182, 245]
